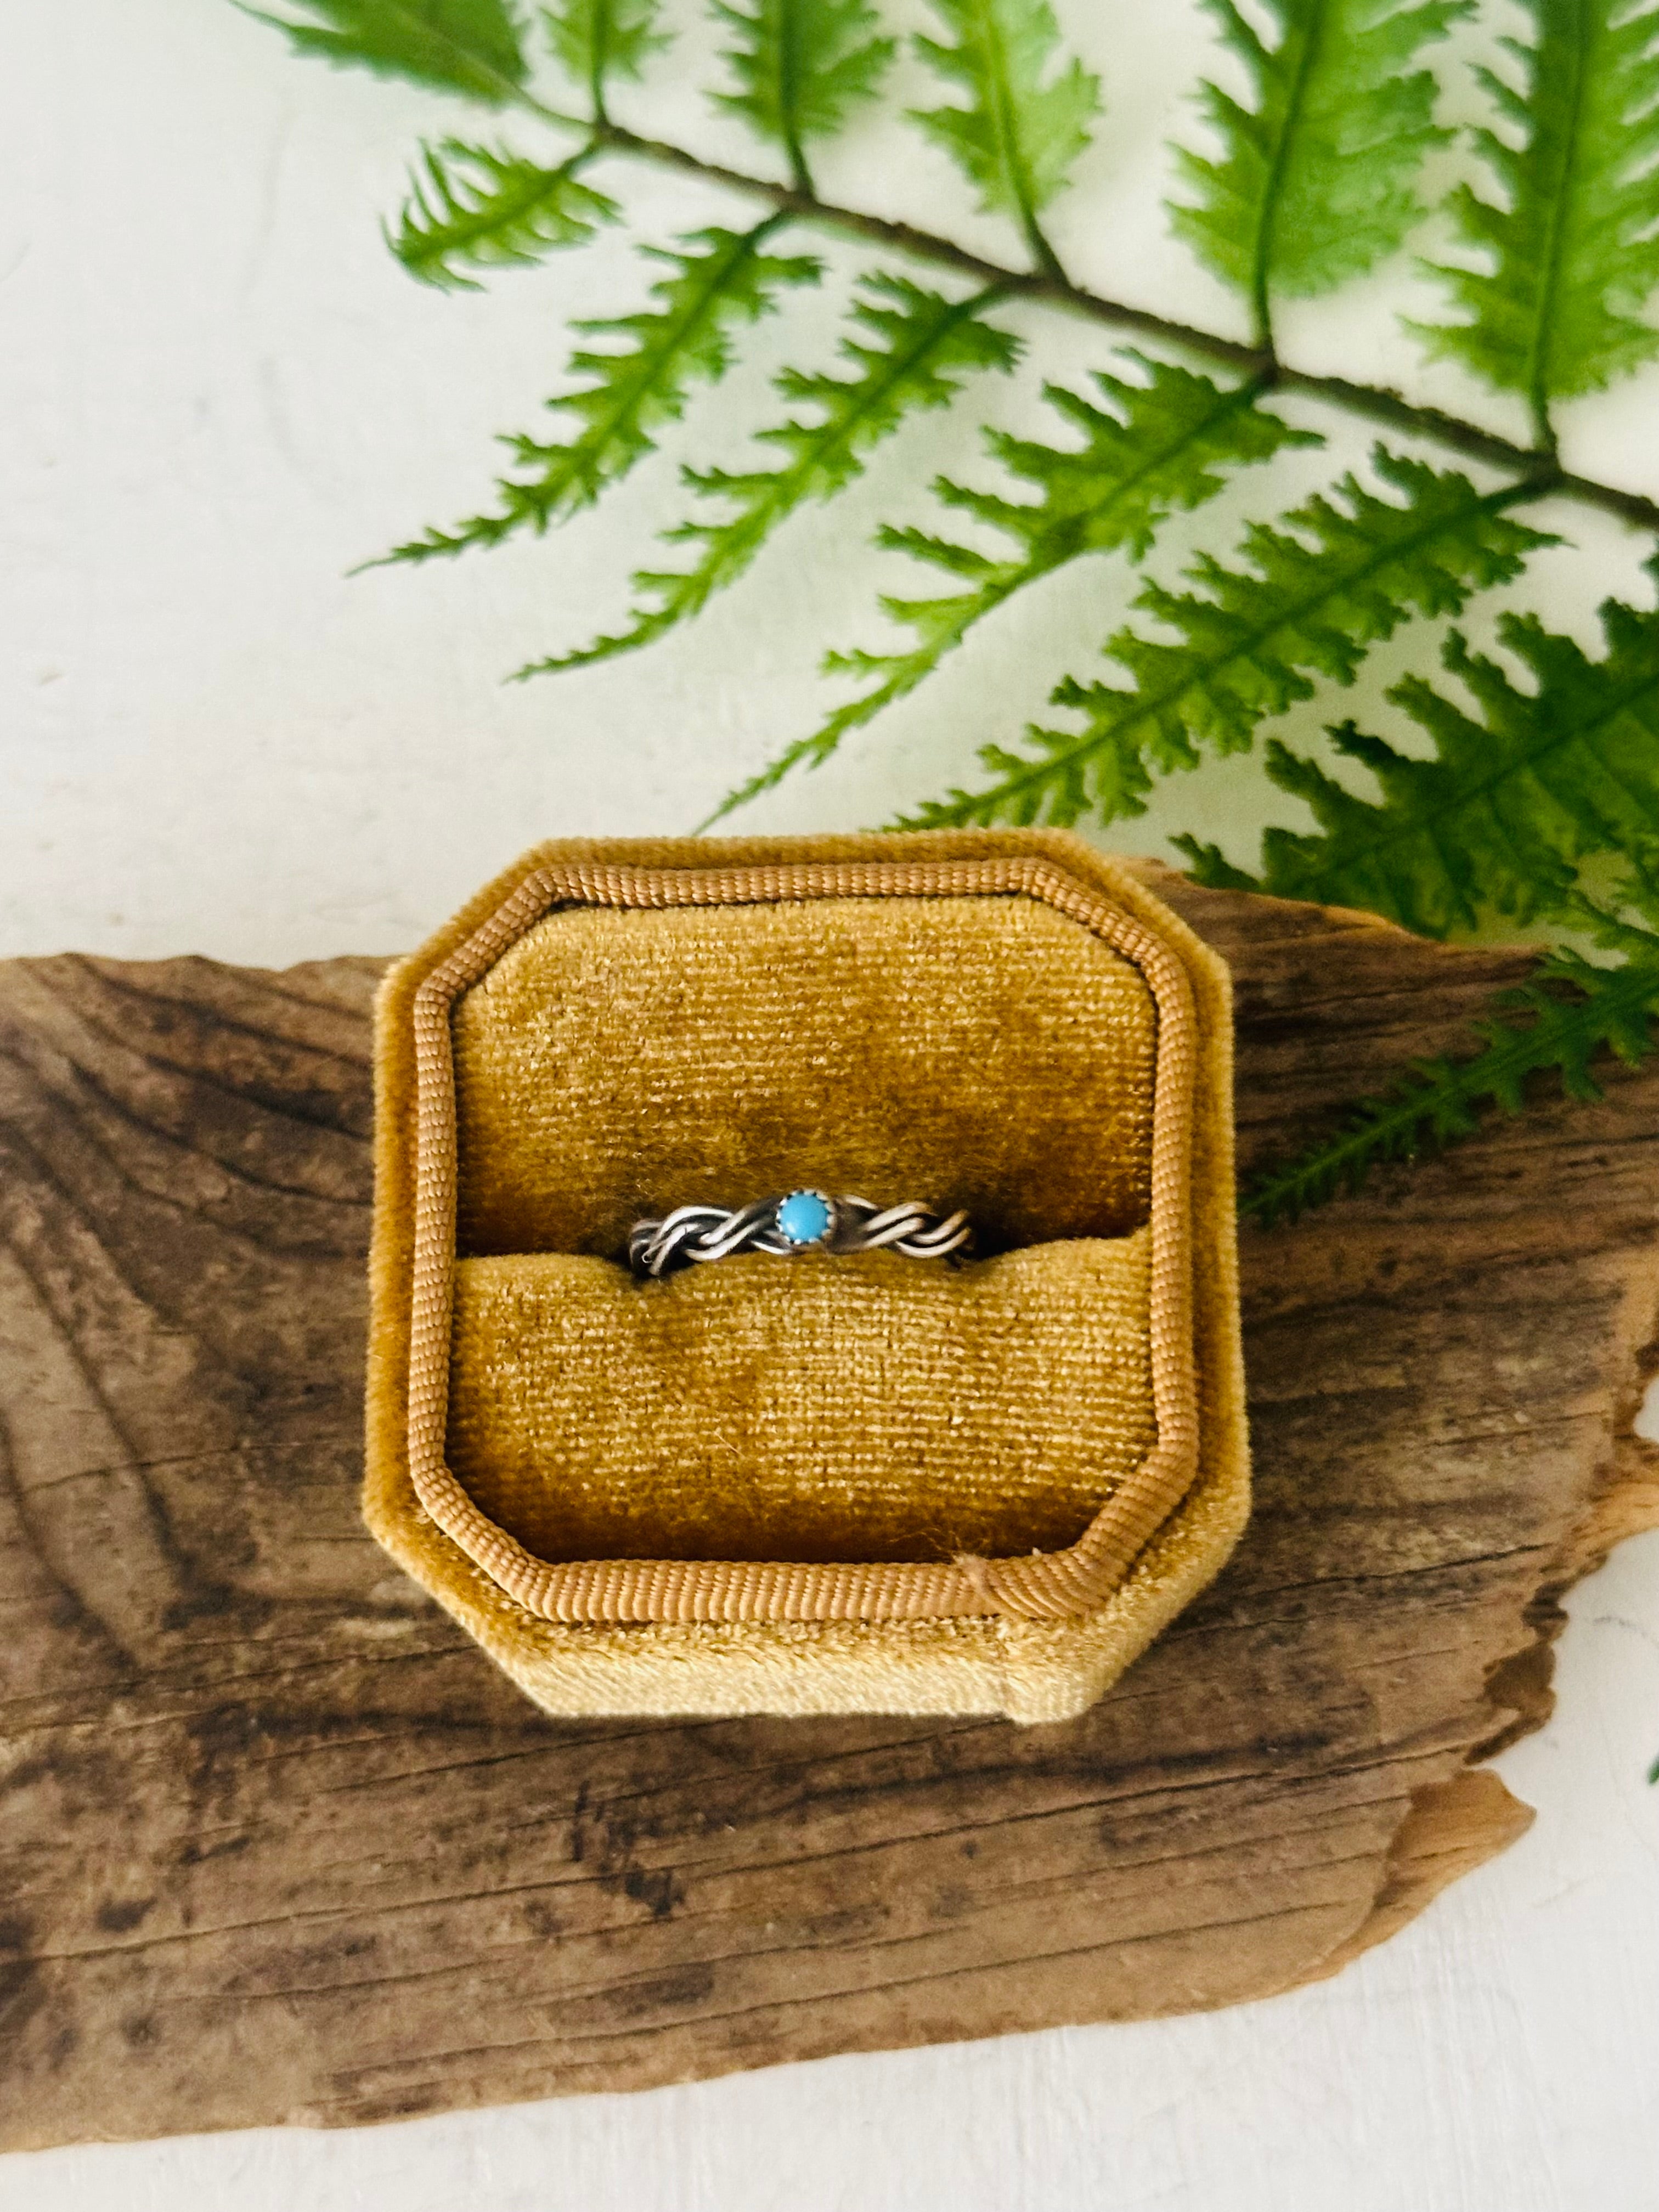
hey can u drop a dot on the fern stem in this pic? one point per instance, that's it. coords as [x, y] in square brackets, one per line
[1262, 253]
[596, 75]
[1043, 254]
[788, 100]
[1374, 402]
[798, 168]
[1538, 367]
[1013, 160]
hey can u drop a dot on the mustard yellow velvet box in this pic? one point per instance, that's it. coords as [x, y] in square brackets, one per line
[825, 1483]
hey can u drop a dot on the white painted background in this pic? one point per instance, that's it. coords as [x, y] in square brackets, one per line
[216, 392]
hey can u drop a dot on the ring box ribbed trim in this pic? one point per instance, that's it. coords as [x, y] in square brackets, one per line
[1181, 1509]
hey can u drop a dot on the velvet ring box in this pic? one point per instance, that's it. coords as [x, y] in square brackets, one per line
[820, 1483]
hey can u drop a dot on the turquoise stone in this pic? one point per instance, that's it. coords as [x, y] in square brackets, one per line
[803, 1217]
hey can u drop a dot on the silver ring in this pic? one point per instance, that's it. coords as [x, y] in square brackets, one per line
[799, 1221]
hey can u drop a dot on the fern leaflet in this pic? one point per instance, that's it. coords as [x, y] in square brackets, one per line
[1497, 822]
[469, 47]
[593, 40]
[1252, 637]
[1017, 138]
[1318, 180]
[799, 66]
[1154, 449]
[476, 207]
[911, 350]
[1573, 254]
[1569, 1012]
[716, 280]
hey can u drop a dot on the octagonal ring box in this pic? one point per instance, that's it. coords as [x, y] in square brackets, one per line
[818, 1483]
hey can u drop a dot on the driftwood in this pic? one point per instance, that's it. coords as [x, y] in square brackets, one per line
[277, 1842]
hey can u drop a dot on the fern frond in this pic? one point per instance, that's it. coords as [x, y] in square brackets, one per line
[594, 40]
[910, 348]
[1497, 821]
[1570, 253]
[483, 207]
[1559, 1021]
[1154, 449]
[799, 66]
[1018, 136]
[1318, 180]
[716, 280]
[1623, 915]
[1252, 638]
[469, 47]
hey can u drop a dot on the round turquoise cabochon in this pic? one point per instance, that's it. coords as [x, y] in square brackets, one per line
[803, 1216]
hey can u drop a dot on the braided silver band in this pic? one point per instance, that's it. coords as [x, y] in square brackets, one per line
[799, 1221]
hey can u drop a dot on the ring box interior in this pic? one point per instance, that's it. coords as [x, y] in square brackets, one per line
[820, 1482]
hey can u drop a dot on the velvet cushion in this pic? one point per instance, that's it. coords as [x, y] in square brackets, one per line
[867, 1407]
[976, 1052]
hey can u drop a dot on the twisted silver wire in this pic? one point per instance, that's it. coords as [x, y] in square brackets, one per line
[857, 1225]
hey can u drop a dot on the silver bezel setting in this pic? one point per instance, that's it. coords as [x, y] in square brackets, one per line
[825, 1237]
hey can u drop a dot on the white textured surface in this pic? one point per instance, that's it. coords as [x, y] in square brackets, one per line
[217, 392]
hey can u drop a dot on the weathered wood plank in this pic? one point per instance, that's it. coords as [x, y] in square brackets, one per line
[279, 1845]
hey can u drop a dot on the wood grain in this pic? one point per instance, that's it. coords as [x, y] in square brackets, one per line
[277, 1843]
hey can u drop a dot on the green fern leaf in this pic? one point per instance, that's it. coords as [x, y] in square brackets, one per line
[1253, 637]
[1559, 1021]
[594, 40]
[476, 207]
[1624, 918]
[1318, 180]
[1572, 252]
[1017, 138]
[469, 47]
[1155, 449]
[716, 280]
[799, 66]
[1497, 822]
[911, 350]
